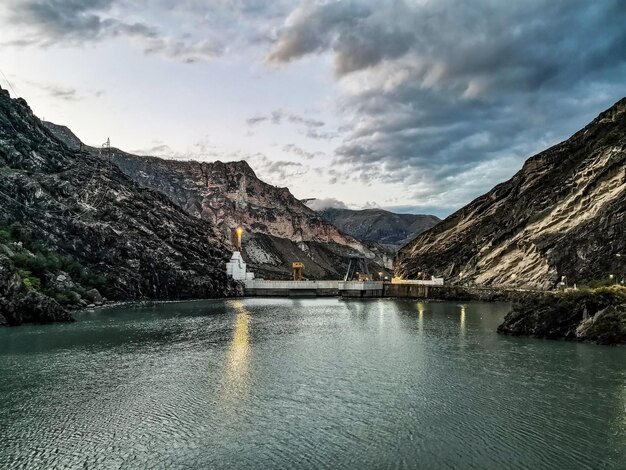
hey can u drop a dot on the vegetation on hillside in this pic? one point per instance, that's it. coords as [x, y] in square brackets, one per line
[38, 266]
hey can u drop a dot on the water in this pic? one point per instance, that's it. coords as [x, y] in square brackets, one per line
[261, 383]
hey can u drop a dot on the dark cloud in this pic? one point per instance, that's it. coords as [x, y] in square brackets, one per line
[449, 97]
[70, 20]
[76, 22]
[313, 28]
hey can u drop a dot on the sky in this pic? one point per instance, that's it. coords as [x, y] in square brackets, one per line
[410, 105]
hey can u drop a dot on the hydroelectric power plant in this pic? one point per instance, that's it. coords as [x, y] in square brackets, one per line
[357, 282]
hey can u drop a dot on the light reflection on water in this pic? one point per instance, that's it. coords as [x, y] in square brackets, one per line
[462, 322]
[312, 383]
[236, 379]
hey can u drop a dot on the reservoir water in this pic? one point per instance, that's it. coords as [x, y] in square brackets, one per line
[320, 383]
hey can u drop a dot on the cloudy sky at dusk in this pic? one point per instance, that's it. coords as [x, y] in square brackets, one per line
[413, 105]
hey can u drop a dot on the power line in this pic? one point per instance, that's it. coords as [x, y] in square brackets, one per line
[9, 83]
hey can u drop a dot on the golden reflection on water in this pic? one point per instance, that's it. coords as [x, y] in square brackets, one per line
[463, 320]
[420, 316]
[235, 379]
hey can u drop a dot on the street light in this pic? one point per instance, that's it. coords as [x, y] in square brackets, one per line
[239, 233]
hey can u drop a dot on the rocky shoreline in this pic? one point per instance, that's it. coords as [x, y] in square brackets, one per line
[19, 304]
[590, 315]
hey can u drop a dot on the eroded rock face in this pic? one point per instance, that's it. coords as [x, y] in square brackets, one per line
[279, 228]
[562, 214]
[81, 206]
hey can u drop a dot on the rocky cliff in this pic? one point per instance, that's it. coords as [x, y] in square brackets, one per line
[73, 227]
[597, 315]
[378, 225]
[280, 229]
[562, 214]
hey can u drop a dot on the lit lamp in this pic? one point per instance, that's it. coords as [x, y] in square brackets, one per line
[239, 233]
[380, 274]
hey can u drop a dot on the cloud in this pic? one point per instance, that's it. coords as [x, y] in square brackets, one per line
[326, 203]
[277, 172]
[312, 28]
[253, 121]
[310, 127]
[300, 152]
[278, 116]
[64, 93]
[448, 98]
[77, 22]
[159, 149]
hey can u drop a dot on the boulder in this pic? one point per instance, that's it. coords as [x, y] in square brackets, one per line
[94, 296]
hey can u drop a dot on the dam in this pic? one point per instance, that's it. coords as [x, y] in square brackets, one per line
[346, 289]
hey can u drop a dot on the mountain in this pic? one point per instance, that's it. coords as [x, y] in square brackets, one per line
[73, 228]
[562, 214]
[280, 229]
[378, 225]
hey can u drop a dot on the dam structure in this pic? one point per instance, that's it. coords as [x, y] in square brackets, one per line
[345, 289]
[357, 283]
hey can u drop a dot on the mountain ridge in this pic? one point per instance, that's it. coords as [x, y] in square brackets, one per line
[560, 217]
[280, 229]
[379, 225]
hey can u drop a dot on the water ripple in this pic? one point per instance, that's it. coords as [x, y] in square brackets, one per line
[305, 384]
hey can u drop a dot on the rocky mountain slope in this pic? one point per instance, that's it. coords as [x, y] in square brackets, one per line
[562, 214]
[74, 228]
[280, 229]
[378, 225]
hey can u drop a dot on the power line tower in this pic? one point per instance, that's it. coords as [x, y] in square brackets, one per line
[106, 149]
[358, 270]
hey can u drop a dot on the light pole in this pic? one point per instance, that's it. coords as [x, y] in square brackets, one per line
[239, 233]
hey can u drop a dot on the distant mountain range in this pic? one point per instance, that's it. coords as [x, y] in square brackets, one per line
[377, 225]
[561, 217]
[280, 229]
